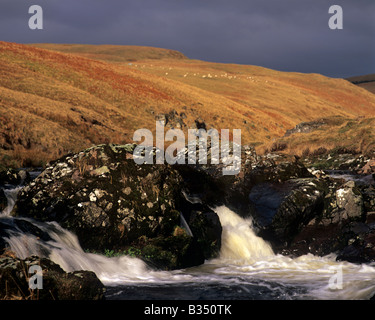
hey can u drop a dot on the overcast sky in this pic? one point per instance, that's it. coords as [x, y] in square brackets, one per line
[287, 35]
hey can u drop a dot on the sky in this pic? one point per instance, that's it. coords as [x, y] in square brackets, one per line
[286, 35]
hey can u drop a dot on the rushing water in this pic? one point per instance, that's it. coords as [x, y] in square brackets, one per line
[247, 268]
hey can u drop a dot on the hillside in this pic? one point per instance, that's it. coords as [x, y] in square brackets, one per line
[54, 102]
[366, 82]
[112, 53]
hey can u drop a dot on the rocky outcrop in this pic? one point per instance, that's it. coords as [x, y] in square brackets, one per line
[111, 203]
[340, 158]
[321, 216]
[305, 127]
[163, 211]
[54, 283]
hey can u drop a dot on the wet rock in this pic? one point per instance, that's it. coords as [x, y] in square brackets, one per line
[267, 198]
[56, 283]
[3, 200]
[292, 207]
[204, 225]
[304, 211]
[335, 225]
[234, 190]
[360, 244]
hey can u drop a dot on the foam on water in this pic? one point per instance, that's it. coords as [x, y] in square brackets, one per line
[244, 259]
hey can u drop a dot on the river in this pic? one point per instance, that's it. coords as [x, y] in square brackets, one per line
[247, 268]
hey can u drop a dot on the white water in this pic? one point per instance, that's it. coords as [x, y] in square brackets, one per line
[11, 195]
[245, 254]
[244, 258]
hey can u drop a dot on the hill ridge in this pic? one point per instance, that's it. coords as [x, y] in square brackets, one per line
[52, 102]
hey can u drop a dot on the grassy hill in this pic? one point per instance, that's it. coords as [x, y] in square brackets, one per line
[60, 98]
[113, 53]
[367, 81]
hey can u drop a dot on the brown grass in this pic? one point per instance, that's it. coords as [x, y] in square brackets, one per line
[55, 102]
[351, 136]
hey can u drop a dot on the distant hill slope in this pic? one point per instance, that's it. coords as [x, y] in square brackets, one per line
[53, 102]
[367, 82]
[113, 53]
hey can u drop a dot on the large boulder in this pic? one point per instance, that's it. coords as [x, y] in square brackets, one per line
[54, 284]
[112, 203]
[319, 218]
[349, 202]
[285, 208]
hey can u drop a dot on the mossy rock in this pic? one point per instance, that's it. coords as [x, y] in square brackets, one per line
[110, 203]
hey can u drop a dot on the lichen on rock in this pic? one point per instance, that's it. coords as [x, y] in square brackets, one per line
[111, 203]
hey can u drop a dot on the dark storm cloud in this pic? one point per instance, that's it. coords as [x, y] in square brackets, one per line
[286, 35]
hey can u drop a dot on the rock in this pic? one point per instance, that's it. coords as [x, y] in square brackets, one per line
[292, 207]
[9, 176]
[368, 194]
[267, 198]
[368, 168]
[335, 159]
[111, 203]
[343, 202]
[360, 246]
[278, 168]
[306, 127]
[302, 211]
[3, 200]
[172, 119]
[14, 177]
[56, 283]
[200, 124]
[321, 224]
[233, 190]
[204, 225]
[349, 202]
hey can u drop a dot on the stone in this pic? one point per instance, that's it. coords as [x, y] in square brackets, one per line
[368, 168]
[300, 202]
[113, 204]
[306, 127]
[14, 177]
[56, 283]
[349, 202]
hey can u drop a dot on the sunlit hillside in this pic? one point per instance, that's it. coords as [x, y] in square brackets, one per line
[367, 82]
[72, 96]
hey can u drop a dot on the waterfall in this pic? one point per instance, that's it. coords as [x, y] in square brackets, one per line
[246, 255]
[239, 242]
[244, 259]
[11, 195]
